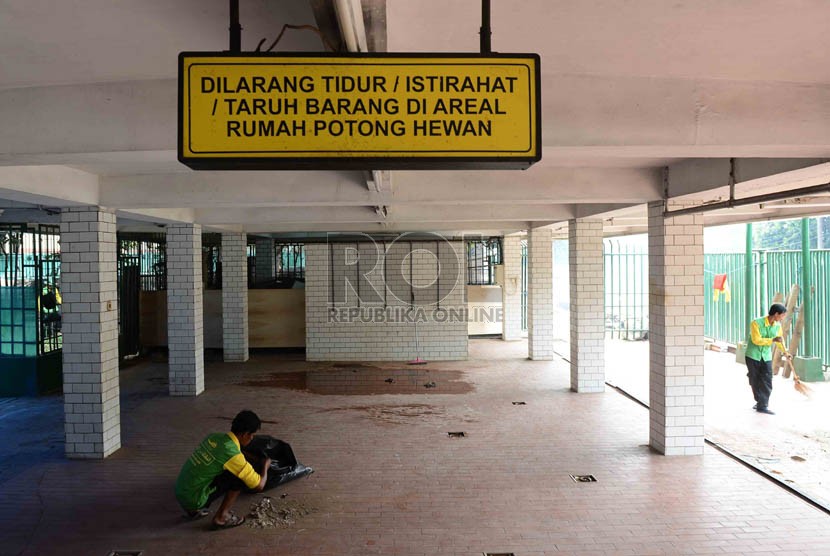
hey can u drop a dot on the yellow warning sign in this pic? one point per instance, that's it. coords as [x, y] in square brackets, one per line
[393, 111]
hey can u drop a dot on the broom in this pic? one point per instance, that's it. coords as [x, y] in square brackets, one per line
[800, 387]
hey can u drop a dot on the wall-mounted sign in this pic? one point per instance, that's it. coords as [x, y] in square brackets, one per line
[375, 111]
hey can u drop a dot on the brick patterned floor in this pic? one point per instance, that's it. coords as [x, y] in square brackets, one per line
[793, 445]
[389, 480]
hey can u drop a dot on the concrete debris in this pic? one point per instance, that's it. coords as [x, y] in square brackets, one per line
[269, 513]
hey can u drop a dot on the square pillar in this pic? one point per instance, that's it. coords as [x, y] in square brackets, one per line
[675, 304]
[90, 333]
[587, 305]
[540, 294]
[264, 260]
[511, 289]
[185, 325]
[234, 297]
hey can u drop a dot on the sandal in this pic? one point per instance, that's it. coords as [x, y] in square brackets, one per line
[198, 514]
[232, 521]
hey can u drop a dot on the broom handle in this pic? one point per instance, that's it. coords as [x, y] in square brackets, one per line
[789, 360]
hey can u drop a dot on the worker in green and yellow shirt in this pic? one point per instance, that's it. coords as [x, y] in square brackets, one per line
[763, 333]
[218, 467]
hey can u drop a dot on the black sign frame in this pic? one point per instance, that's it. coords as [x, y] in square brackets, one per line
[360, 163]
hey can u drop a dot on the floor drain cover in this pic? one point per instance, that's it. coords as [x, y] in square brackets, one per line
[456, 434]
[584, 478]
[126, 553]
[519, 403]
[499, 554]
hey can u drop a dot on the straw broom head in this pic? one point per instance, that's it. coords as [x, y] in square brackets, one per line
[799, 386]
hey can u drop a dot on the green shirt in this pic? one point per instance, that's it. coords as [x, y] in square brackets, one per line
[217, 453]
[761, 333]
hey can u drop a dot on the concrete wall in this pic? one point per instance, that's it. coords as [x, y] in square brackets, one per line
[379, 329]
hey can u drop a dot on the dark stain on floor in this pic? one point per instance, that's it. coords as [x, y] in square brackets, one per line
[392, 414]
[366, 380]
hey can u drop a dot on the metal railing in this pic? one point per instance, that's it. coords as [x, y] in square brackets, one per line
[626, 291]
[482, 257]
[30, 295]
[772, 272]
[524, 284]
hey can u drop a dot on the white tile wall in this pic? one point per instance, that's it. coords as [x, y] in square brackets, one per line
[185, 325]
[540, 294]
[675, 251]
[234, 297]
[511, 291]
[390, 341]
[587, 305]
[90, 332]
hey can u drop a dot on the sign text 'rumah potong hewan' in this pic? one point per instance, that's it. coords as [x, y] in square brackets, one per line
[372, 112]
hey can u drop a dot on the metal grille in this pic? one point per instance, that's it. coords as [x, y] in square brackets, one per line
[148, 253]
[482, 257]
[142, 266]
[626, 291]
[212, 260]
[289, 262]
[250, 252]
[30, 298]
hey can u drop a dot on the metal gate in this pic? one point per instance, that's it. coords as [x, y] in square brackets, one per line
[129, 268]
[626, 291]
[524, 284]
[142, 266]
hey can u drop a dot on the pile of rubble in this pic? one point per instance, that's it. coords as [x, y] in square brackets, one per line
[269, 513]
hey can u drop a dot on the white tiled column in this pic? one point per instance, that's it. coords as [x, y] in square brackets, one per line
[675, 260]
[587, 305]
[264, 260]
[540, 294]
[511, 290]
[90, 333]
[234, 297]
[185, 338]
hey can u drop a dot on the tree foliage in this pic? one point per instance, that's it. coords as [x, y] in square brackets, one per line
[786, 234]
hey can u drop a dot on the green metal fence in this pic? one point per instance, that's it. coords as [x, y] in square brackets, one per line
[772, 272]
[724, 320]
[626, 291]
[30, 298]
[524, 284]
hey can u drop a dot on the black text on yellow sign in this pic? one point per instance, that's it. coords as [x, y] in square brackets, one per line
[375, 111]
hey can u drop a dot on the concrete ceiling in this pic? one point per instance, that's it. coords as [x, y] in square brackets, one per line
[88, 105]
[44, 42]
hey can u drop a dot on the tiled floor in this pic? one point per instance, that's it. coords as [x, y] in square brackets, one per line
[388, 479]
[792, 445]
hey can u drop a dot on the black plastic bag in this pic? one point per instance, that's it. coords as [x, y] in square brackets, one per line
[284, 465]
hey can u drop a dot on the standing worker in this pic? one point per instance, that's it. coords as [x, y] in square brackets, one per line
[763, 332]
[218, 467]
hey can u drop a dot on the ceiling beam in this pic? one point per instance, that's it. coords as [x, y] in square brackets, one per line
[452, 228]
[594, 115]
[545, 185]
[753, 176]
[426, 214]
[48, 185]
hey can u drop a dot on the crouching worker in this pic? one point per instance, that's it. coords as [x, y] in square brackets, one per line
[218, 467]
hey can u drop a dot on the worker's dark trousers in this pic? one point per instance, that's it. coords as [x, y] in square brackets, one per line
[760, 380]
